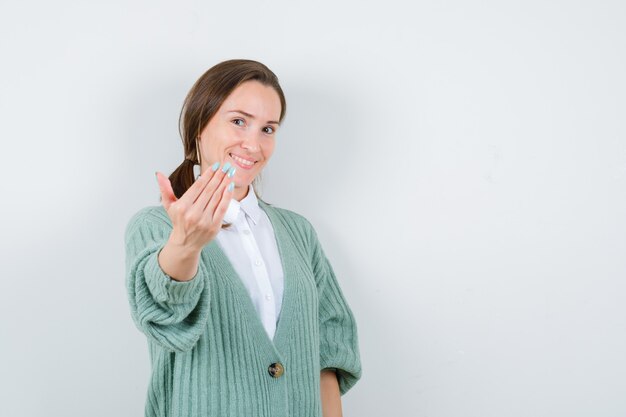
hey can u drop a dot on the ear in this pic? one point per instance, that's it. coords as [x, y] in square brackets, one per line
[198, 151]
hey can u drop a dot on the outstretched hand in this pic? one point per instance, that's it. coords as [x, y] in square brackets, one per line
[197, 215]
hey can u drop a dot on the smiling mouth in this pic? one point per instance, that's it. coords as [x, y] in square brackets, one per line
[242, 161]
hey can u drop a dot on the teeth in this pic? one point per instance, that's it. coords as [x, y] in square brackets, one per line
[243, 161]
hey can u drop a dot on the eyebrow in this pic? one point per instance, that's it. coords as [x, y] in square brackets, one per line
[251, 116]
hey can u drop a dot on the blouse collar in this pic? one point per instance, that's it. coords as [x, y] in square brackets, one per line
[249, 204]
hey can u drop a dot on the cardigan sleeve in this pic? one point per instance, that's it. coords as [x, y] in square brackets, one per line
[339, 347]
[171, 313]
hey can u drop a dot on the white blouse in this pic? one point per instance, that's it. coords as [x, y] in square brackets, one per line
[251, 247]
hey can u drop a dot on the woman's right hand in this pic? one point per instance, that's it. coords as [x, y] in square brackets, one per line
[197, 215]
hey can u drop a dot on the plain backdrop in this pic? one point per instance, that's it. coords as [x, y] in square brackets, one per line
[464, 164]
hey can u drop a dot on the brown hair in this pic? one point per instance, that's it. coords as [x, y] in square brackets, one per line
[202, 102]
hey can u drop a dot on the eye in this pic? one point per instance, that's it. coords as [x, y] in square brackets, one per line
[235, 121]
[270, 128]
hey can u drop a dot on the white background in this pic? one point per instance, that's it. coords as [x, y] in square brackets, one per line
[464, 164]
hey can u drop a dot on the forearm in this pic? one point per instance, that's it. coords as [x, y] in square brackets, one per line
[179, 262]
[330, 395]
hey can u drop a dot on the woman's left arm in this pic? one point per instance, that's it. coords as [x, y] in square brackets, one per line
[339, 346]
[331, 398]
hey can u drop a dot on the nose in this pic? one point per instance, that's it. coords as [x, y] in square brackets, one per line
[251, 142]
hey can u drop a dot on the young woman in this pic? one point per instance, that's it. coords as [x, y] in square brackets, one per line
[241, 308]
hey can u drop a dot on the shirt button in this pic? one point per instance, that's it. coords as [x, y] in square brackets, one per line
[268, 297]
[246, 232]
[258, 262]
[276, 370]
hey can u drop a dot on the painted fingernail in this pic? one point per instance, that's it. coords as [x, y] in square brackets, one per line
[215, 166]
[231, 186]
[231, 172]
[226, 166]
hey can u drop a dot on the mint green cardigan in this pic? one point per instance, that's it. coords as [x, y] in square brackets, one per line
[209, 353]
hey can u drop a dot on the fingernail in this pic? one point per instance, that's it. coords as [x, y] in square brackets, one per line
[231, 172]
[215, 166]
[231, 186]
[226, 166]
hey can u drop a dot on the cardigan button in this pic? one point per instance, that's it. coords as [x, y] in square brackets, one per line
[276, 369]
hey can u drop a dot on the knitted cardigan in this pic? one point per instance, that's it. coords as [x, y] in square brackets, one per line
[209, 353]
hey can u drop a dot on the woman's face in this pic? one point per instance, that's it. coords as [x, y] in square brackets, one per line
[242, 132]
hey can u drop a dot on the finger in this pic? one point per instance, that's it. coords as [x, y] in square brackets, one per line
[211, 188]
[216, 195]
[165, 187]
[196, 188]
[220, 210]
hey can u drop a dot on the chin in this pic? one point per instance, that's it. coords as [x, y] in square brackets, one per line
[242, 184]
[245, 177]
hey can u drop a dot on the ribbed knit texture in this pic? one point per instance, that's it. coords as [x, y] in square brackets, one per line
[209, 351]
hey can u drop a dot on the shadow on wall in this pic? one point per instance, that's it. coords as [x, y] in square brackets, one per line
[152, 142]
[314, 149]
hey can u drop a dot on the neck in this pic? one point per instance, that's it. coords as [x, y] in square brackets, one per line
[240, 192]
